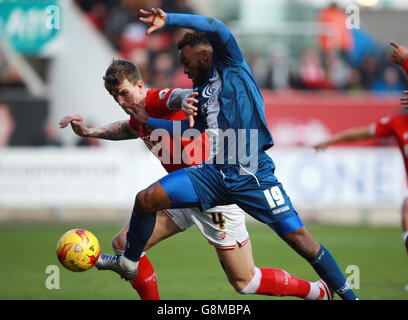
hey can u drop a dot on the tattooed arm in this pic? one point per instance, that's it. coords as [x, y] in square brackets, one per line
[119, 130]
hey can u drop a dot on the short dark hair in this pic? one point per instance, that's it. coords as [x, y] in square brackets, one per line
[119, 71]
[192, 39]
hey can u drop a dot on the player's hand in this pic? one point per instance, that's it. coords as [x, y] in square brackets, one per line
[404, 99]
[188, 107]
[156, 18]
[138, 113]
[77, 124]
[398, 53]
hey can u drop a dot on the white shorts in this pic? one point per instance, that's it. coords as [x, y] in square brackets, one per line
[222, 226]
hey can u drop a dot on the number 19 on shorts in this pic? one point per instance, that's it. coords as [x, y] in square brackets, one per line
[274, 197]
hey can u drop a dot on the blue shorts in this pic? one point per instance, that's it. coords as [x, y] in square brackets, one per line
[259, 194]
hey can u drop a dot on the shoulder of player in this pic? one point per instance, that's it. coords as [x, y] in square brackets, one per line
[160, 94]
[157, 99]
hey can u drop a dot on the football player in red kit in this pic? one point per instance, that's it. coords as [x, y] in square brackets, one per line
[223, 226]
[395, 125]
[391, 126]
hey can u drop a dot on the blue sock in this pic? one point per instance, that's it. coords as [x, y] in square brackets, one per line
[328, 269]
[140, 230]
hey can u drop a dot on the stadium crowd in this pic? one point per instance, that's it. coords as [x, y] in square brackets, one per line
[333, 64]
[353, 62]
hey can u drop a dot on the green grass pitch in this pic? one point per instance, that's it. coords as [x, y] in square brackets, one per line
[187, 266]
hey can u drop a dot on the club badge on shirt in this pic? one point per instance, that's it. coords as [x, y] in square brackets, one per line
[162, 93]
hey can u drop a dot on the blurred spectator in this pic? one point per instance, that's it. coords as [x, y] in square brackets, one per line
[339, 39]
[9, 75]
[162, 80]
[141, 58]
[132, 37]
[348, 59]
[278, 68]
[258, 67]
[389, 82]
[7, 125]
[158, 42]
[163, 65]
[363, 44]
[177, 6]
[180, 79]
[311, 72]
[354, 81]
[98, 15]
[122, 14]
[369, 71]
[49, 136]
[337, 71]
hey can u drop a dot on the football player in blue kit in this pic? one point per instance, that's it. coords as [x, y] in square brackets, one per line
[230, 109]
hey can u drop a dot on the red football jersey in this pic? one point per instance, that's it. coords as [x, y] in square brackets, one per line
[174, 153]
[405, 65]
[395, 126]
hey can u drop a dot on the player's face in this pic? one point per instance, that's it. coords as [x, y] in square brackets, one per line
[196, 63]
[128, 94]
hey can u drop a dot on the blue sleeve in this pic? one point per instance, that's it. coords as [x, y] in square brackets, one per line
[223, 42]
[173, 127]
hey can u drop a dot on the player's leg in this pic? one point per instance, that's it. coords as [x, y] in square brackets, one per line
[263, 197]
[174, 190]
[164, 228]
[404, 218]
[317, 255]
[246, 278]
[145, 282]
[225, 228]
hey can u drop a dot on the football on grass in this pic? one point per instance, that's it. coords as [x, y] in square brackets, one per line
[78, 250]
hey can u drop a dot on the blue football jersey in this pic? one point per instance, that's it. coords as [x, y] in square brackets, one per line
[231, 107]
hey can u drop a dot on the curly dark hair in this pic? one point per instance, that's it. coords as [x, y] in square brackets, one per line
[117, 72]
[192, 39]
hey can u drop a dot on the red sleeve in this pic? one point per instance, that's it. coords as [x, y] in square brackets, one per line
[382, 128]
[405, 65]
[134, 125]
[156, 102]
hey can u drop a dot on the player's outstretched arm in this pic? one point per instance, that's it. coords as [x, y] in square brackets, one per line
[77, 124]
[115, 131]
[158, 19]
[350, 135]
[221, 39]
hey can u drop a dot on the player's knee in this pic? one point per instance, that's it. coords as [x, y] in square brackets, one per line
[143, 202]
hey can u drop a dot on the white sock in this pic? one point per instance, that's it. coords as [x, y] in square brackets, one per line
[118, 252]
[128, 264]
[253, 285]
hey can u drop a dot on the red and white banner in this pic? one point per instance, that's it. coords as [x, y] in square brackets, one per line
[298, 118]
